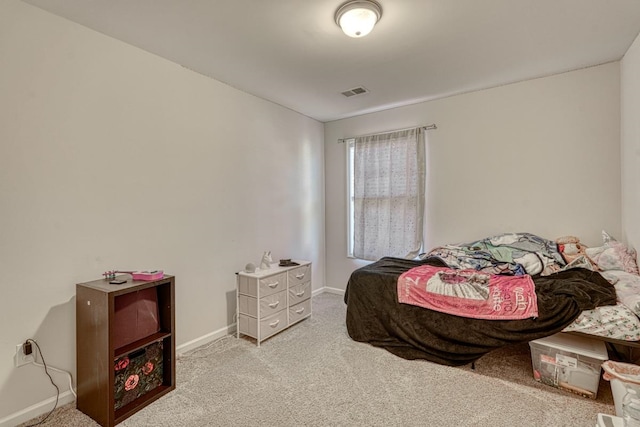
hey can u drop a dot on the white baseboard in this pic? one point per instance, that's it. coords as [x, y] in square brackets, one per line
[231, 329]
[205, 339]
[330, 290]
[67, 397]
[36, 410]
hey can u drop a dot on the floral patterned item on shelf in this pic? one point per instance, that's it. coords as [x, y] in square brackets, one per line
[137, 374]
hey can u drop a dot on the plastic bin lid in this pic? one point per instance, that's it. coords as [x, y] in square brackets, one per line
[593, 348]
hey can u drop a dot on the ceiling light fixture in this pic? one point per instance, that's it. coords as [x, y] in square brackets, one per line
[358, 17]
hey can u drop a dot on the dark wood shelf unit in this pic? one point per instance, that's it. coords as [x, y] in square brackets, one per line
[96, 351]
[136, 345]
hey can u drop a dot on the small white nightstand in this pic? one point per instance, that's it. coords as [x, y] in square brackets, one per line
[272, 299]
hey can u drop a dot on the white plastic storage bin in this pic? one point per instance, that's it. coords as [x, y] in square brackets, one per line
[623, 376]
[569, 362]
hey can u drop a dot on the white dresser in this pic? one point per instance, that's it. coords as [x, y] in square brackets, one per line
[273, 299]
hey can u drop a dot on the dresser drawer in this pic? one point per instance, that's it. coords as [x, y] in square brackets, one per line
[272, 284]
[299, 311]
[268, 326]
[267, 285]
[299, 293]
[273, 324]
[268, 305]
[300, 275]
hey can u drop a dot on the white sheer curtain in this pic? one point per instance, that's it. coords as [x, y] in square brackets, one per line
[389, 183]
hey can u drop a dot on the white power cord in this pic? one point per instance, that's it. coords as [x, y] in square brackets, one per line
[61, 371]
[46, 371]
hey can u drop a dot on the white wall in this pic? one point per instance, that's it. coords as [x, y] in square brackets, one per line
[541, 156]
[630, 124]
[113, 158]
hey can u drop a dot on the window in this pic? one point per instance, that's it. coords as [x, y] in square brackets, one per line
[386, 182]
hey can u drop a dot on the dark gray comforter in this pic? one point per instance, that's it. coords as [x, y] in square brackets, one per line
[375, 316]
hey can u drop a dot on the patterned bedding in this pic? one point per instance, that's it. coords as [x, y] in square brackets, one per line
[620, 321]
[617, 263]
[375, 316]
[508, 253]
[610, 321]
[574, 298]
[520, 253]
[469, 293]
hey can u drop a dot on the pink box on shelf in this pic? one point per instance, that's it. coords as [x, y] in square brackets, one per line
[148, 275]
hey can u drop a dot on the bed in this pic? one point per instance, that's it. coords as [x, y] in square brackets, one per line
[599, 295]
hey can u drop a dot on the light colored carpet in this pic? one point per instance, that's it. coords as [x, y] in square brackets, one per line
[313, 374]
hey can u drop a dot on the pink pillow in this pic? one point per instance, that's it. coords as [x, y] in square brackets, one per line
[613, 255]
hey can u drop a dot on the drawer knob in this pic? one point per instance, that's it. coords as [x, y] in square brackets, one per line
[299, 294]
[273, 285]
[300, 310]
[274, 324]
[274, 304]
[299, 276]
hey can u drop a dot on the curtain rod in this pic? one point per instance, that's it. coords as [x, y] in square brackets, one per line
[425, 127]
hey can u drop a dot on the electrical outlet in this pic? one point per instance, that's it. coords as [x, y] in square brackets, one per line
[21, 358]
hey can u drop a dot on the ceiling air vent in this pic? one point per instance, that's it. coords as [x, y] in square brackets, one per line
[355, 91]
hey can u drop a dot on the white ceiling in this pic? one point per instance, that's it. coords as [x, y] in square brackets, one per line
[292, 52]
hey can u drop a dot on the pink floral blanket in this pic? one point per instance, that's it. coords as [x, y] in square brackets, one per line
[469, 293]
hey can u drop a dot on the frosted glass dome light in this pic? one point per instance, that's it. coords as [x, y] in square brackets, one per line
[358, 17]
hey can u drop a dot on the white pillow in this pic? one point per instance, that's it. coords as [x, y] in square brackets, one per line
[613, 255]
[627, 288]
